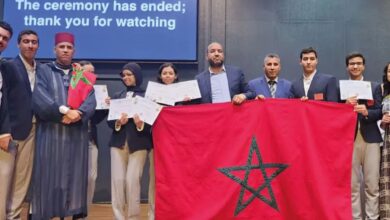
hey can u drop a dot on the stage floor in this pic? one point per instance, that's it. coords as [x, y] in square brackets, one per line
[99, 212]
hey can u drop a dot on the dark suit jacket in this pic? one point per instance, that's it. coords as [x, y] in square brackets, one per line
[136, 140]
[368, 125]
[236, 81]
[322, 84]
[97, 117]
[259, 86]
[19, 97]
[5, 126]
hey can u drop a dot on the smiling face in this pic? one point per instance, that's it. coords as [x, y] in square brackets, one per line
[168, 75]
[356, 68]
[28, 46]
[5, 36]
[128, 78]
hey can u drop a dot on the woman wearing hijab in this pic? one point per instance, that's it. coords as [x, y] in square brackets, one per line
[130, 141]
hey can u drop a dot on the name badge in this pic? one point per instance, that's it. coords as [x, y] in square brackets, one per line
[370, 102]
[319, 96]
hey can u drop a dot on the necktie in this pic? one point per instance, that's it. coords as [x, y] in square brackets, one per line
[272, 87]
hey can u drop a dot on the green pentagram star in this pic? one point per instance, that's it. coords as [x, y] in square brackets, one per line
[241, 205]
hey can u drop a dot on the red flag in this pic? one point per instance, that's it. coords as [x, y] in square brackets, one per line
[271, 159]
[81, 84]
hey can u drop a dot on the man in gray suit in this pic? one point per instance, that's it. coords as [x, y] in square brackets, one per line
[220, 83]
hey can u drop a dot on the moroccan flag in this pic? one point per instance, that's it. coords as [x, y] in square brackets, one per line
[271, 159]
[81, 84]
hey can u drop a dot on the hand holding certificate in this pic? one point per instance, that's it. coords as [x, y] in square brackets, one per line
[350, 88]
[145, 108]
[185, 89]
[101, 95]
[119, 106]
[160, 93]
[172, 93]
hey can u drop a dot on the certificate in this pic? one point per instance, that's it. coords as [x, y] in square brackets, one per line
[100, 95]
[361, 89]
[172, 93]
[119, 106]
[186, 89]
[160, 93]
[146, 109]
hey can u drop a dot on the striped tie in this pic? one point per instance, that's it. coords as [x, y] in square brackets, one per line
[272, 87]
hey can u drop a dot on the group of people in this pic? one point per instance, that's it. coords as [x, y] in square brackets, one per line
[49, 148]
[221, 83]
[43, 141]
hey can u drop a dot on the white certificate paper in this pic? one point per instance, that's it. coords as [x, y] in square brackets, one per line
[146, 109]
[172, 93]
[119, 106]
[101, 94]
[160, 93]
[361, 89]
[186, 89]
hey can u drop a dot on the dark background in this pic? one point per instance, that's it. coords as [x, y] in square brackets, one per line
[249, 29]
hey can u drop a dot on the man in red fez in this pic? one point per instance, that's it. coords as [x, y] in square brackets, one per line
[64, 37]
[61, 160]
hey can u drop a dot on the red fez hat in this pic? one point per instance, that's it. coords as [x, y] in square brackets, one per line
[64, 37]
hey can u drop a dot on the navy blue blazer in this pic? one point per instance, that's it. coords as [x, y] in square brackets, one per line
[259, 86]
[19, 97]
[5, 126]
[236, 81]
[97, 117]
[368, 125]
[136, 140]
[322, 85]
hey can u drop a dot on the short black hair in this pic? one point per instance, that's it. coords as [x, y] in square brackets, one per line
[26, 32]
[353, 55]
[7, 27]
[160, 69]
[306, 51]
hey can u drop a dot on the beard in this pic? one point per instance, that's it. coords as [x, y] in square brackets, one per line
[214, 64]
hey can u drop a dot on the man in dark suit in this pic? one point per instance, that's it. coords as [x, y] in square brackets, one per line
[312, 84]
[221, 83]
[6, 154]
[19, 74]
[366, 151]
[270, 85]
